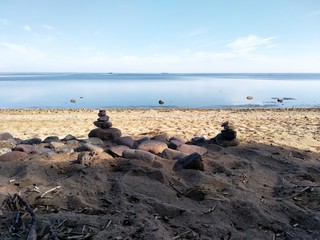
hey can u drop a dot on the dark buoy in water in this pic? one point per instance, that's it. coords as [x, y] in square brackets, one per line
[161, 102]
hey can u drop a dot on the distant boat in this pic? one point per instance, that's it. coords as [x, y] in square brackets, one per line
[164, 73]
[109, 72]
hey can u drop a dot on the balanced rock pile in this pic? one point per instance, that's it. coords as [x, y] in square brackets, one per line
[227, 137]
[105, 131]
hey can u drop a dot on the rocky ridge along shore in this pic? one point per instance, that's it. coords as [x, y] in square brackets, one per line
[110, 186]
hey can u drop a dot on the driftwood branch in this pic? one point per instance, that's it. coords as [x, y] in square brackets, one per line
[32, 232]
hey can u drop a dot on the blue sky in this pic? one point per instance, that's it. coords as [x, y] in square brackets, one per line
[160, 36]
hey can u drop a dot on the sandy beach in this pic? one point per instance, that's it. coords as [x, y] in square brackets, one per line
[298, 128]
[265, 188]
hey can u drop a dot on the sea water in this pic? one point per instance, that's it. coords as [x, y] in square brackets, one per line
[121, 90]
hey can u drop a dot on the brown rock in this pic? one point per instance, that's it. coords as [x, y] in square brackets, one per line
[12, 156]
[127, 141]
[25, 148]
[172, 154]
[188, 149]
[117, 151]
[139, 154]
[105, 134]
[5, 136]
[6, 144]
[152, 146]
[103, 125]
[192, 161]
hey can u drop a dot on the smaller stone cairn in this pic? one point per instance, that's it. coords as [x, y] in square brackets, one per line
[103, 120]
[227, 137]
[104, 129]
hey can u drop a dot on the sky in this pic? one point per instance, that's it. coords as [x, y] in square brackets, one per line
[149, 36]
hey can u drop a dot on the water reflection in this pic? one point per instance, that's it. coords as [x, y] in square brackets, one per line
[190, 91]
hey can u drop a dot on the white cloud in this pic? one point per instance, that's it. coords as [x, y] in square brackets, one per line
[27, 28]
[49, 27]
[314, 13]
[250, 43]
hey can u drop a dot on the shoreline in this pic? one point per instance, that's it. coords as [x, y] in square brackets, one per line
[298, 128]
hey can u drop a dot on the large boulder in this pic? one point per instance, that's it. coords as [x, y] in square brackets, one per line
[188, 149]
[105, 134]
[12, 156]
[152, 146]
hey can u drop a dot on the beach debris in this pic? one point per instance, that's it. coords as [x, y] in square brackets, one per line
[227, 137]
[72, 100]
[161, 102]
[104, 130]
[249, 97]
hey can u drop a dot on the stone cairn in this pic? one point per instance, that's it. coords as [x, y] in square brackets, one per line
[104, 129]
[227, 137]
[103, 120]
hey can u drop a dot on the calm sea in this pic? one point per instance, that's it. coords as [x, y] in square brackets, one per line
[113, 90]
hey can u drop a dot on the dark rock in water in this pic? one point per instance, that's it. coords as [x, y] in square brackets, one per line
[105, 134]
[5, 136]
[51, 139]
[173, 154]
[249, 97]
[72, 100]
[6, 144]
[69, 137]
[127, 141]
[26, 148]
[117, 151]
[103, 125]
[12, 156]
[102, 113]
[161, 137]
[32, 141]
[161, 102]
[103, 118]
[229, 134]
[188, 149]
[192, 161]
[152, 146]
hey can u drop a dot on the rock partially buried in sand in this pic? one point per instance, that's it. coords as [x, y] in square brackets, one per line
[192, 161]
[12, 156]
[189, 149]
[139, 154]
[152, 146]
[105, 134]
